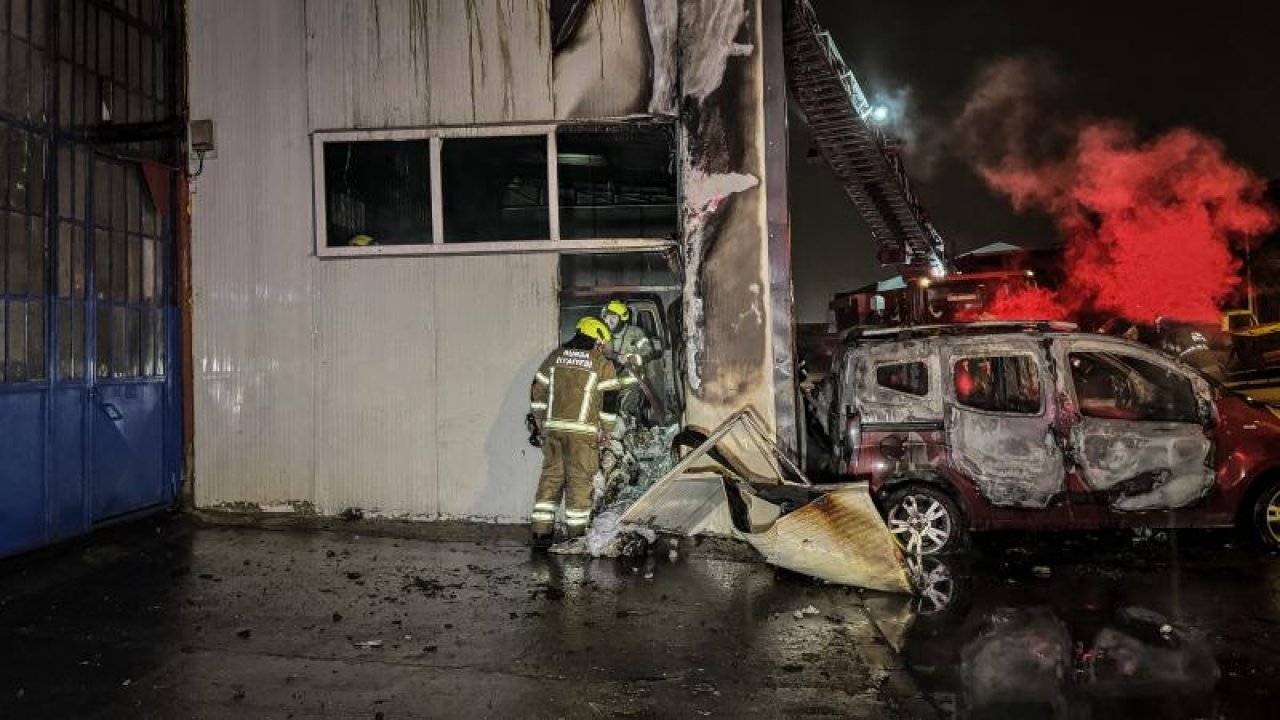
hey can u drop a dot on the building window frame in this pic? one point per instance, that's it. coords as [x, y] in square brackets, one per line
[435, 244]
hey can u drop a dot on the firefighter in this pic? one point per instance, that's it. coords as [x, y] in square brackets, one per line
[631, 349]
[574, 400]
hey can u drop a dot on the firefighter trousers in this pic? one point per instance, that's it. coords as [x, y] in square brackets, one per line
[569, 462]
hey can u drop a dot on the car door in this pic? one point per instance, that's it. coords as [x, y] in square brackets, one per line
[998, 422]
[1138, 435]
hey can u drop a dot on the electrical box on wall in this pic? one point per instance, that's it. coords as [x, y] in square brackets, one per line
[202, 138]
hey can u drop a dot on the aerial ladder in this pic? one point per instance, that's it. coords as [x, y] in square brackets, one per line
[862, 156]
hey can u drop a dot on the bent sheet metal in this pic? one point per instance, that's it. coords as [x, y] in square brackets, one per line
[839, 536]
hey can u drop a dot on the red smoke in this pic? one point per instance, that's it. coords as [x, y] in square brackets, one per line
[1148, 225]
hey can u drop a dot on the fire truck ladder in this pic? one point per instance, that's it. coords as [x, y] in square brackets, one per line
[861, 155]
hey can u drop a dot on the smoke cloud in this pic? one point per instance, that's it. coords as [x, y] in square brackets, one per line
[1148, 224]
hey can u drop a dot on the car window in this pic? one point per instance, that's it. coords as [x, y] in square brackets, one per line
[648, 322]
[1123, 387]
[998, 383]
[911, 377]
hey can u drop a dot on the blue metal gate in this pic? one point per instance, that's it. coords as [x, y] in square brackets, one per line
[89, 407]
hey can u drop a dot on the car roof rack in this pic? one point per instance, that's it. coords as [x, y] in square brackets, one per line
[990, 327]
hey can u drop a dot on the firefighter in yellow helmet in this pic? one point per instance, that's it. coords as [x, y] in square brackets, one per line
[631, 348]
[574, 400]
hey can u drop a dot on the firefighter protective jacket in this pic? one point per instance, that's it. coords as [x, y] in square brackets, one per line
[575, 391]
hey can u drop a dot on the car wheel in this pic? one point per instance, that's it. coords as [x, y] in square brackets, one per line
[1266, 515]
[924, 521]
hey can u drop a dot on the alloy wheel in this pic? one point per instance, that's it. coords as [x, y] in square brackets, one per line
[920, 524]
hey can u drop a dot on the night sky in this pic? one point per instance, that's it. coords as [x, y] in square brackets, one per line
[1215, 68]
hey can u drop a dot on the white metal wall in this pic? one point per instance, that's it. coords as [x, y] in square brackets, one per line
[396, 385]
[252, 276]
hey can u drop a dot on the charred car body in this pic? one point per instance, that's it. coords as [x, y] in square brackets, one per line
[1035, 426]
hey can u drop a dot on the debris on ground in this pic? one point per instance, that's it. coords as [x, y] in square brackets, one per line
[806, 611]
[1041, 571]
[369, 644]
[630, 466]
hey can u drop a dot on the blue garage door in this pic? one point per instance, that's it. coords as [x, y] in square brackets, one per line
[88, 397]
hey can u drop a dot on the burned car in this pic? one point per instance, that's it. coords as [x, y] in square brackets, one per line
[1029, 426]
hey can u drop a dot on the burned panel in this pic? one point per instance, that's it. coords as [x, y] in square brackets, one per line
[1139, 435]
[871, 380]
[727, 284]
[613, 58]
[998, 420]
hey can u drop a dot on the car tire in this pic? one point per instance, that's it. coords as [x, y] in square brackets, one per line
[1265, 516]
[924, 520]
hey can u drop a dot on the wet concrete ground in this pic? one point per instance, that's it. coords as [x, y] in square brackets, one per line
[1181, 626]
[168, 619]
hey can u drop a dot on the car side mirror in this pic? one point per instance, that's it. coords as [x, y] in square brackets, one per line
[657, 345]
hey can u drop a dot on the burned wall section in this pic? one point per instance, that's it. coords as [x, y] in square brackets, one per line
[727, 284]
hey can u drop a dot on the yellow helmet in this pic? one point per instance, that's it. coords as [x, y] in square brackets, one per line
[593, 328]
[617, 307]
[361, 241]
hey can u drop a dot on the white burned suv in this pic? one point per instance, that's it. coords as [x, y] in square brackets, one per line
[1036, 426]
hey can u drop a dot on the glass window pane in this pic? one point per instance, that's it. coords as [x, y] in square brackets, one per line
[119, 197]
[81, 182]
[65, 259]
[1007, 384]
[1121, 387]
[18, 81]
[135, 76]
[66, 91]
[135, 268]
[378, 189]
[77, 262]
[19, 246]
[66, 342]
[102, 194]
[495, 189]
[148, 343]
[66, 29]
[148, 54]
[101, 263]
[617, 182]
[161, 354]
[19, 169]
[66, 182]
[35, 173]
[4, 322]
[104, 341]
[103, 65]
[162, 253]
[911, 378]
[133, 341]
[39, 68]
[120, 47]
[17, 327]
[136, 197]
[78, 340]
[119, 267]
[5, 154]
[148, 270]
[38, 253]
[39, 21]
[36, 337]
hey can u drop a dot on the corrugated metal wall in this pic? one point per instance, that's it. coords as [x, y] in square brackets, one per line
[427, 62]
[254, 362]
[394, 385]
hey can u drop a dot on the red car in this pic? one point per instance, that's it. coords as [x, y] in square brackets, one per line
[1034, 426]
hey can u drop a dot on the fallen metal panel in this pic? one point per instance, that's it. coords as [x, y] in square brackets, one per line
[688, 504]
[840, 538]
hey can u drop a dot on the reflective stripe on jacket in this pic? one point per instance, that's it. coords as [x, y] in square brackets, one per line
[575, 391]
